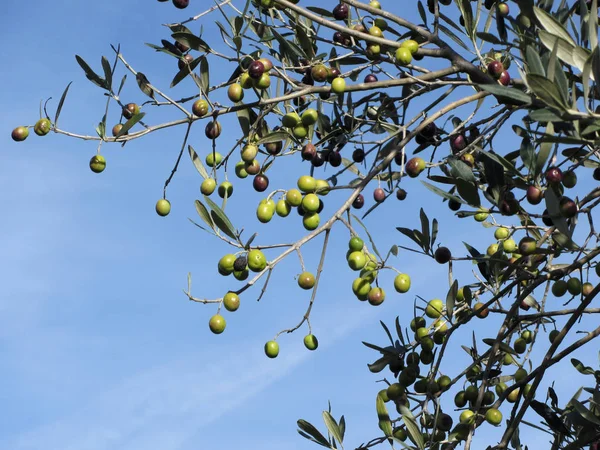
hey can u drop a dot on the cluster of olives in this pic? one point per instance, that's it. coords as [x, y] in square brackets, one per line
[240, 266]
[256, 76]
[305, 199]
[573, 286]
[306, 281]
[408, 371]
[557, 180]
[527, 251]
[42, 127]
[299, 125]
[272, 347]
[404, 54]
[497, 67]
[321, 74]
[359, 259]
[98, 162]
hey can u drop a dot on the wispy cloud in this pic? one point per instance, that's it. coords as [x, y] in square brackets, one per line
[164, 406]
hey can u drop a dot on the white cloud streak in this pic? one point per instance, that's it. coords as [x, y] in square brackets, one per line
[162, 407]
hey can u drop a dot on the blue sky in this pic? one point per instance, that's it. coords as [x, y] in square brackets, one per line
[100, 348]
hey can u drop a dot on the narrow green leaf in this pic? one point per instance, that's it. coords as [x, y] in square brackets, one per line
[247, 119]
[305, 42]
[596, 64]
[144, 84]
[469, 192]
[411, 235]
[122, 84]
[422, 12]
[568, 53]
[90, 74]
[165, 50]
[552, 205]
[342, 427]
[129, 124]
[399, 329]
[494, 173]
[452, 36]
[197, 162]
[501, 28]
[544, 115]
[178, 28]
[425, 230]
[373, 346]
[501, 345]
[488, 37]
[585, 78]
[507, 93]
[220, 218]
[385, 424]
[451, 297]
[351, 61]
[61, 103]
[204, 214]
[443, 193]
[560, 79]
[204, 74]
[247, 245]
[413, 431]
[585, 370]
[320, 11]
[467, 13]
[585, 413]
[592, 23]
[332, 426]
[101, 128]
[534, 63]
[378, 365]
[185, 71]
[434, 231]
[528, 154]
[373, 246]
[460, 170]
[553, 26]
[107, 72]
[310, 438]
[387, 331]
[310, 429]
[546, 90]
[482, 266]
[192, 41]
[544, 153]
[276, 136]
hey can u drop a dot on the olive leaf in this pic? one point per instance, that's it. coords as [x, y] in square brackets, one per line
[129, 124]
[308, 431]
[197, 162]
[90, 74]
[220, 219]
[61, 103]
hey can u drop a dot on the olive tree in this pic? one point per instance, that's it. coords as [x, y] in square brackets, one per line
[374, 106]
